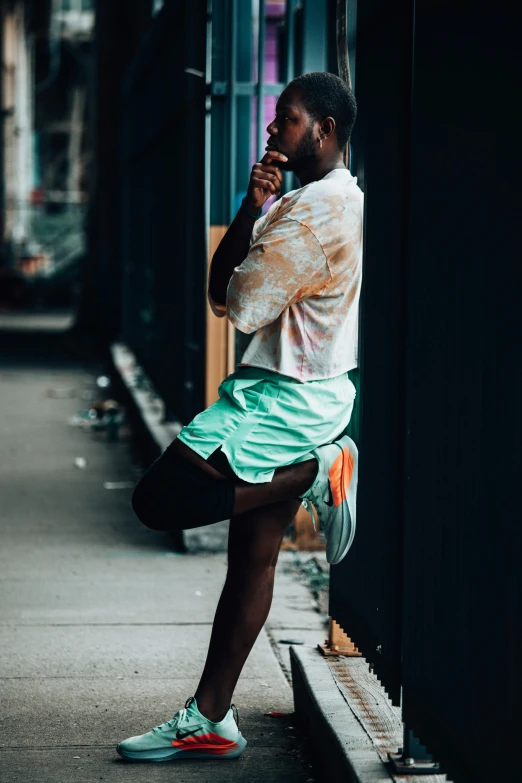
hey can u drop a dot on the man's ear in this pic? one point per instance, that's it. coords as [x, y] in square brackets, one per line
[328, 127]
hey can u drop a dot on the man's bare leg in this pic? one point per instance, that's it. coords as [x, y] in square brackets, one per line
[288, 482]
[254, 542]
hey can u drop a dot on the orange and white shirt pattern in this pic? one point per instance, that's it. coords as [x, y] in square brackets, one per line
[298, 288]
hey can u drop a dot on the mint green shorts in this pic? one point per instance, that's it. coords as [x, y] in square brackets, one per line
[264, 420]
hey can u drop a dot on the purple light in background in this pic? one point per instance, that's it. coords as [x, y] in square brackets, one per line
[274, 13]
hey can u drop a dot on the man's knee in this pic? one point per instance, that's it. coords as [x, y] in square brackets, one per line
[175, 495]
[143, 505]
[163, 505]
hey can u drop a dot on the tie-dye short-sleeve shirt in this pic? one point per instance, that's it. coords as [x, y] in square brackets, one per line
[298, 288]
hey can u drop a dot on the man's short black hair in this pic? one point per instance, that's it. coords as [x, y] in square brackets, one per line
[326, 95]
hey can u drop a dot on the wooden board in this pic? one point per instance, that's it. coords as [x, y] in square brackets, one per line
[338, 643]
[304, 538]
[220, 358]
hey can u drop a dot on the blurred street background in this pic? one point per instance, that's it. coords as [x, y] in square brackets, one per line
[104, 115]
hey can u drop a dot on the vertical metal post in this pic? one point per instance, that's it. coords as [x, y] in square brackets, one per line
[343, 56]
[208, 122]
[3, 116]
[289, 179]
[232, 111]
[260, 79]
[351, 34]
[290, 39]
[343, 62]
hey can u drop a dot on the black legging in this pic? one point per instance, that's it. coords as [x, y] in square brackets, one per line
[174, 494]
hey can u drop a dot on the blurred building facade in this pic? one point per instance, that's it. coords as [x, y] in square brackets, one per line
[17, 138]
[47, 64]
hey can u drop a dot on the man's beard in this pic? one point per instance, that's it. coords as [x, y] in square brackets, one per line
[305, 153]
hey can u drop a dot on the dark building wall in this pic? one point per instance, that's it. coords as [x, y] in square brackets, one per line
[464, 389]
[433, 579]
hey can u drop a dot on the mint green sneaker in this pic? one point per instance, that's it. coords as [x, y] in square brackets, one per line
[188, 735]
[333, 494]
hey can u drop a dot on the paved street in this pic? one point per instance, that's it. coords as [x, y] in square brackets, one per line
[103, 627]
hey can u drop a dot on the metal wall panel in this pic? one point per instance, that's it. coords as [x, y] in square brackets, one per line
[462, 638]
[366, 586]
[163, 209]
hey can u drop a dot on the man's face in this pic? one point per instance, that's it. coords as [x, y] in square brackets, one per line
[292, 132]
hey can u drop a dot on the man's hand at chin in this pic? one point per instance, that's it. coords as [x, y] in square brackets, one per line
[265, 180]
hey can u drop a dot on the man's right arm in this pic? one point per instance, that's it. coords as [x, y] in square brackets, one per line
[265, 181]
[232, 250]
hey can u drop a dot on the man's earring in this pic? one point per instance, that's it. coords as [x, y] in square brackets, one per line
[320, 141]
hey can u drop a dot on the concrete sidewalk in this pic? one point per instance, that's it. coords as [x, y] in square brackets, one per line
[103, 628]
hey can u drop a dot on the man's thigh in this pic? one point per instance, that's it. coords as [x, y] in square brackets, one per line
[217, 465]
[176, 493]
